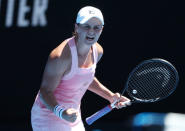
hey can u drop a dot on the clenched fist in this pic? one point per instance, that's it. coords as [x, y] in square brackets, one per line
[70, 114]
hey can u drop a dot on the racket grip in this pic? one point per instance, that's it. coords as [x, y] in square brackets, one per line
[98, 114]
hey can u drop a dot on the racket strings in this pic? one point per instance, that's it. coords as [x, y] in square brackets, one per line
[151, 82]
[141, 81]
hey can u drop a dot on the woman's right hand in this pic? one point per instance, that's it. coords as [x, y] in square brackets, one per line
[70, 114]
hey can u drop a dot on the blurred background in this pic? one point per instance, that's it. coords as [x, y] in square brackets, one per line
[134, 31]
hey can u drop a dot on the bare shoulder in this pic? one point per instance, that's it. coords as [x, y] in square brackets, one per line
[59, 58]
[100, 50]
[61, 51]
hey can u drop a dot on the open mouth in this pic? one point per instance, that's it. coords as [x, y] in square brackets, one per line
[89, 38]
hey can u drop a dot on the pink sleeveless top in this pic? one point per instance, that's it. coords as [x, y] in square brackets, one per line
[71, 88]
[73, 85]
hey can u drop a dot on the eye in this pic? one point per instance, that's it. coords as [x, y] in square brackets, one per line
[97, 28]
[86, 27]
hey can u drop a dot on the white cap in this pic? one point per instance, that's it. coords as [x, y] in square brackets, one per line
[87, 13]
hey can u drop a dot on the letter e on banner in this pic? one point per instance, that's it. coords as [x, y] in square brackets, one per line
[23, 9]
[39, 13]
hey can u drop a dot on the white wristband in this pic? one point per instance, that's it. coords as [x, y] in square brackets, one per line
[58, 110]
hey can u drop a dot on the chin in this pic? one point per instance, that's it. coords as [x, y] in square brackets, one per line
[90, 42]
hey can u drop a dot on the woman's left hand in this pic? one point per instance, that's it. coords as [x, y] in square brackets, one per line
[122, 101]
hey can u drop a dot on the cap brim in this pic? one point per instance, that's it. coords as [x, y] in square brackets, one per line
[83, 21]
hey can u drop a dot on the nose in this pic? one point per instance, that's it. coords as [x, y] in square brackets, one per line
[91, 31]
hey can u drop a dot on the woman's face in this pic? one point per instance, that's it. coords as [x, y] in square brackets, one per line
[90, 31]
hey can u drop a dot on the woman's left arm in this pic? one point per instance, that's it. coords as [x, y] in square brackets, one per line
[104, 92]
[101, 90]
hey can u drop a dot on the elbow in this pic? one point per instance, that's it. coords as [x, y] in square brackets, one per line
[44, 92]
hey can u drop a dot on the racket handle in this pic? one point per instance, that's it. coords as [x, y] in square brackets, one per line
[98, 114]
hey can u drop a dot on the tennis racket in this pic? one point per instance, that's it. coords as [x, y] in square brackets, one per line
[150, 81]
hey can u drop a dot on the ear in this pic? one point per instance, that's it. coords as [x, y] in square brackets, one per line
[76, 27]
[102, 28]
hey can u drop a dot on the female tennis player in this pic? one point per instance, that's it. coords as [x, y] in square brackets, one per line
[69, 72]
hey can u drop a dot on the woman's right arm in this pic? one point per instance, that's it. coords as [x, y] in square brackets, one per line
[58, 62]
